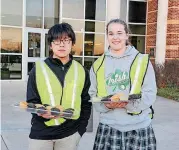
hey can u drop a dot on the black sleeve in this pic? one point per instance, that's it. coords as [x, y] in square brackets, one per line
[85, 105]
[32, 95]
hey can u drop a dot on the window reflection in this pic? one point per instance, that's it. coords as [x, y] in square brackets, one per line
[139, 43]
[77, 25]
[11, 12]
[78, 59]
[88, 62]
[34, 44]
[137, 12]
[94, 44]
[11, 40]
[51, 13]
[11, 67]
[94, 26]
[95, 10]
[100, 10]
[137, 29]
[73, 9]
[78, 47]
[123, 10]
[99, 45]
[34, 11]
[30, 66]
[48, 51]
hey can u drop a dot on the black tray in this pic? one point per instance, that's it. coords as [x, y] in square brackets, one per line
[62, 114]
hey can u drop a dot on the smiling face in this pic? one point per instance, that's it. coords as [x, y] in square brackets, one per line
[61, 47]
[117, 36]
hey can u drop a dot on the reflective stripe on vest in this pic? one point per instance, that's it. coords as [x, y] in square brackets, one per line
[51, 92]
[137, 72]
[52, 101]
[99, 70]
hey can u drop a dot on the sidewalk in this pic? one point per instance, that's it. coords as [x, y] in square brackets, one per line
[15, 125]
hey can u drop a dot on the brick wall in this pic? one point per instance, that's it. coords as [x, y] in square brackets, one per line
[172, 45]
[151, 25]
[172, 41]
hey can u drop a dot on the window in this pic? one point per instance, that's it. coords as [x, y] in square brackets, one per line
[11, 40]
[51, 13]
[48, 51]
[87, 18]
[88, 62]
[77, 25]
[11, 67]
[139, 43]
[78, 59]
[137, 29]
[123, 10]
[30, 66]
[137, 23]
[11, 13]
[94, 44]
[77, 49]
[95, 10]
[34, 11]
[137, 12]
[34, 41]
[95, 26]
[73, 9]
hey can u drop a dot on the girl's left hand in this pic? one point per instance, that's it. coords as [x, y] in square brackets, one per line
[121, 105]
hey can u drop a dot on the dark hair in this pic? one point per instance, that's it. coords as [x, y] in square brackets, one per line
[58, 31]
[126, 28]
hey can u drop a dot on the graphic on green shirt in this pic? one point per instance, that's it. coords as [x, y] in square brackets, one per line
[118, 80]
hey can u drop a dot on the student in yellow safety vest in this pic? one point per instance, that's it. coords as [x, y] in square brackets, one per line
[59, 81]
[122, 69]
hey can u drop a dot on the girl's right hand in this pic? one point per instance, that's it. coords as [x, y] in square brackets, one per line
[113, 105]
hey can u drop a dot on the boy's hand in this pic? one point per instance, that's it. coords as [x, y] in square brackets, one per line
[48, 116]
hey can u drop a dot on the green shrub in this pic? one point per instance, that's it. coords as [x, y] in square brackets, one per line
[167, 79]
[168, 75]
[169, 92]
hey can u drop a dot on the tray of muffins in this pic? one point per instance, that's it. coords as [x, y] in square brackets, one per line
[46, 109]
[119, 97]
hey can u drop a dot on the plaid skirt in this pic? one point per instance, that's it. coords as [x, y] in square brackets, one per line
[108, 138]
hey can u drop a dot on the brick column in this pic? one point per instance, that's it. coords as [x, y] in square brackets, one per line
[151, 25]
[172, 45]
[161, 31]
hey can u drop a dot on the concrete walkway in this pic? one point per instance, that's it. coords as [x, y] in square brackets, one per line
[15, 125]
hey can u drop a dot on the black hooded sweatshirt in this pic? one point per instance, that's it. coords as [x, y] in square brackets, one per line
[39, 130]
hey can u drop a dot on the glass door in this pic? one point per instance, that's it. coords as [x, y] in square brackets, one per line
[35, 46]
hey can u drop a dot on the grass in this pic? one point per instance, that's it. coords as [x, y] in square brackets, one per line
[169, 92]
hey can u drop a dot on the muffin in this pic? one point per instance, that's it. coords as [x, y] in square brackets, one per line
[68, 113]
[23, 104]
[41, 109]
[31, 105]
[55, 111]
[116, 97]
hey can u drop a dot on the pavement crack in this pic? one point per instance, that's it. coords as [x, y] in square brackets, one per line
[4, 142]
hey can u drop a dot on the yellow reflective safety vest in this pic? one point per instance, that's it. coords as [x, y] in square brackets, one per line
[137, 73]
[51, 91]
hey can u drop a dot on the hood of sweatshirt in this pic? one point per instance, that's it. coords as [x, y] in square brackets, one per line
[128, 52]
